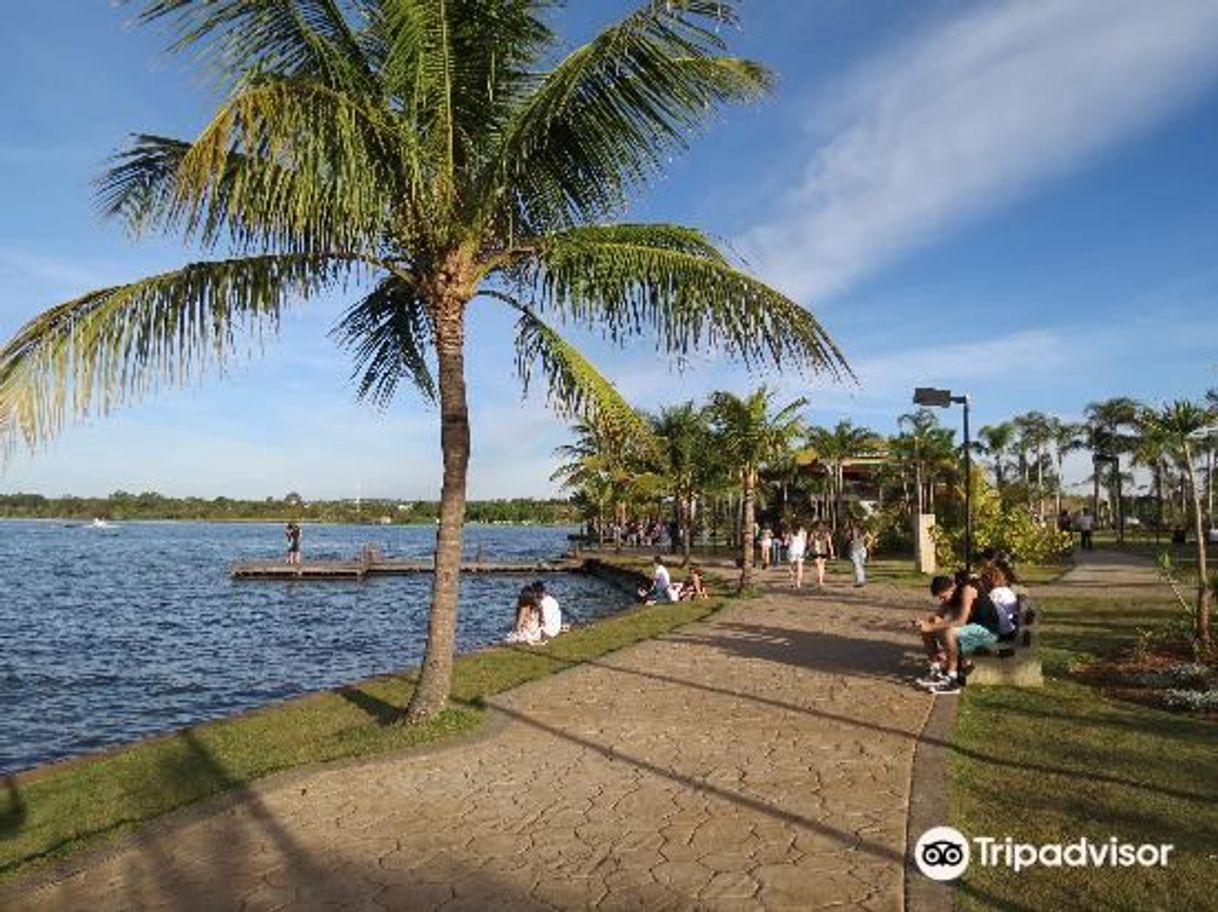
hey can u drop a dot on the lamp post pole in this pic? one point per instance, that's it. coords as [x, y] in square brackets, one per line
[941, 398]
[968, 489]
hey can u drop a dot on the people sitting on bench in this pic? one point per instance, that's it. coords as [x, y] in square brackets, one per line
[933, 627]
[967, 624]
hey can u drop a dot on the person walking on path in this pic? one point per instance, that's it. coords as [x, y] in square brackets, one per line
[859, 543]
[1086, 522]
[292, 533]
[766, 544]
[822, 550]
[797, 549]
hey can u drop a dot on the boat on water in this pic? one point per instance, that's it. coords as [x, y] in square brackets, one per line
[99, 523]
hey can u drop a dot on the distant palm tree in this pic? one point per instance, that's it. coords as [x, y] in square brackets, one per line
[1109, 422]
[1179, 423]
[1034, 431]
[931, 448]
[682, 434]
[1066, 437]
[1152, 451]
[996, 441]
[435, 152]
[749, 435]
[834, 447]
[607, 466]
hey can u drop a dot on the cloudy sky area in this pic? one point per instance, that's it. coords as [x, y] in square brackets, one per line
[1016, 200]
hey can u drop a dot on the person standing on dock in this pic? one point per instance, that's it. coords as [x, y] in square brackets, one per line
[292, 533]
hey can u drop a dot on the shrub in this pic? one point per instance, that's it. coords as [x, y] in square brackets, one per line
[1010, 528]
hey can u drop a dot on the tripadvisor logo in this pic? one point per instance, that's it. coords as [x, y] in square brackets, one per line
[944, 853]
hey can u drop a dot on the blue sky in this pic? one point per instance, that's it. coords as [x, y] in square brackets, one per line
[1014, 199]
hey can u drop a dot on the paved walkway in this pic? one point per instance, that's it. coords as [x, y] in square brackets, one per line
[1112, 573]
[760, 760]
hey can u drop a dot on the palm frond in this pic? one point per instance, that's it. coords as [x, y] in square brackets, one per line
[456, 68]
[286, 164]
[575, 386]
[111, 346]
[313, 38]
[629, 279]
[610, 115]
[390, 334]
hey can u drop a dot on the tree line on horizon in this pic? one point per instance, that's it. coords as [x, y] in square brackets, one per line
[150, 505]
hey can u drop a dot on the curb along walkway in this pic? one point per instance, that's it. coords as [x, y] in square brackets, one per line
[759, 760]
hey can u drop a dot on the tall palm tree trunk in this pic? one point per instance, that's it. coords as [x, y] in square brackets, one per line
[1204, 596]
[746, 531]
[435, 679]
[687, 530]
[1040, 484]
[1057, 497]
[1095, 493]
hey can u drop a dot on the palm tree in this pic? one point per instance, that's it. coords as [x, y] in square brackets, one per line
[1151, 451]
[834, 447]
[1066, 437]
[431, 152]
[929, 447]
[1179, 423]
[995, 442]
[1035, 431]
[682, 440]
[606, 465]
[749, 435]
[1107, 434]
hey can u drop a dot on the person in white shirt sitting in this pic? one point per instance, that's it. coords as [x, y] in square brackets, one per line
[662, 589]
[551, 614]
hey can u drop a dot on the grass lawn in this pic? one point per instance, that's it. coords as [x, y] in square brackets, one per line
[1062, 762]
[61, 809]
[900, 572]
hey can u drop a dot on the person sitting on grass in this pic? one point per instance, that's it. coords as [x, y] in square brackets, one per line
[971, 624]
[694, 588]
[662, 589]
[527, 629]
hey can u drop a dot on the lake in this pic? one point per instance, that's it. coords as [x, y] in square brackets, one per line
[115, 633]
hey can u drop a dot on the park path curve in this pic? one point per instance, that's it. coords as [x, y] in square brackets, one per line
[757, 760]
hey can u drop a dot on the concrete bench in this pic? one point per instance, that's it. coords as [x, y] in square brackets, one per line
[1015, 663]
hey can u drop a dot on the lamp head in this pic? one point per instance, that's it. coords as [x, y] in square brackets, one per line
[936, 398]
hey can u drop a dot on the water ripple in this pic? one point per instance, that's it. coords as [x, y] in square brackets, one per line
[110, 635]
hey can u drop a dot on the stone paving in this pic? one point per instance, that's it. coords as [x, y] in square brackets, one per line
[760, 760]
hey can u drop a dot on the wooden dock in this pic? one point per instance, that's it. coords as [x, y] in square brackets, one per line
[358, 569]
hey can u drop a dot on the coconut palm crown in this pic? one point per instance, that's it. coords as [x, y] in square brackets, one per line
[417, 154]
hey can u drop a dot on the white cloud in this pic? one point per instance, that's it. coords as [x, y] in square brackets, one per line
[972, 114]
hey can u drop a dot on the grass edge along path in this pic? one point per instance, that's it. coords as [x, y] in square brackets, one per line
[56, 811]
[1062, 762]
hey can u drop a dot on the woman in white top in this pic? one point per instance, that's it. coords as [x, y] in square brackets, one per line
[551, 614]
[822, 550]
[996, 582]
[797, 548]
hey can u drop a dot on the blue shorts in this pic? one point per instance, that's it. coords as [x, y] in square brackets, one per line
[972, 637]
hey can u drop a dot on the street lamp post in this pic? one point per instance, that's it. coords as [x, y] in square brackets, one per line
[940, 398]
